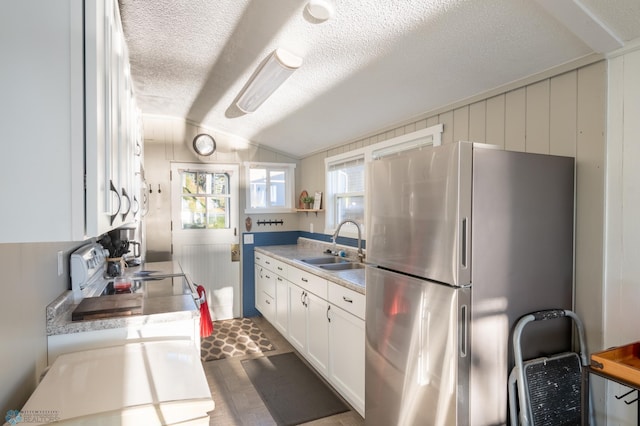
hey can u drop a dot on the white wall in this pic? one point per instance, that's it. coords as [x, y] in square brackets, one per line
[560, 114]
[168, 139]
[29, 282]
[622, 258]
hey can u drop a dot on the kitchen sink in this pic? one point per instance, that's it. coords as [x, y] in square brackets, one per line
[341, 266]
[323, 260]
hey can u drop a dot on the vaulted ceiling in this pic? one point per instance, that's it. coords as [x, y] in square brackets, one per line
[373, 64]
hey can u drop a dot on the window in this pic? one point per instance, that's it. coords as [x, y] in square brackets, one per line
[205, 202]
[346, 189]
[346, 177]
[269, 187]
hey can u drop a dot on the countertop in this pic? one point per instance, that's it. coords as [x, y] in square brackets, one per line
[155, 310]
[353, 279]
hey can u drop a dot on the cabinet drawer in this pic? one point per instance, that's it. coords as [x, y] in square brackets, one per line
[309, 282]
[259, 258]
[268, 282]
[349, 300]
[268, 305]
[276, 266]
[271, 264]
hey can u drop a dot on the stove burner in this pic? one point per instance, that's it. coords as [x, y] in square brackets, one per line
[112, 288]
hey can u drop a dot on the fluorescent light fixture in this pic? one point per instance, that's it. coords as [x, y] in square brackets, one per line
[280, 65]
[321, 9]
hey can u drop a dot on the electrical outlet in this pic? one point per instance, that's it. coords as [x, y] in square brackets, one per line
[60, 263]
[248, 238]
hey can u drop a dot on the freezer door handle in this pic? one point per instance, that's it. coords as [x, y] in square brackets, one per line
[464, 246]
[464, 335]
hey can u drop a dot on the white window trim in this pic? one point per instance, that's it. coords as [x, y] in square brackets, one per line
[431, 136]
[289, 188]
[329, 226]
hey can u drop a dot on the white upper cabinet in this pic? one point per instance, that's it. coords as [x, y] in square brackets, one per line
[68, 121]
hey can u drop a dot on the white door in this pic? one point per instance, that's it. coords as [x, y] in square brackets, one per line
[204, 213]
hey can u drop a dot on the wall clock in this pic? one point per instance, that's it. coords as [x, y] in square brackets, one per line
[204, 144]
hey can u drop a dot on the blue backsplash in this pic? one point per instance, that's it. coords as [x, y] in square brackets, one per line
[272, 239]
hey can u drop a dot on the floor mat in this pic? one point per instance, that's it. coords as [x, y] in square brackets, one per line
[291, 391]
[234, 337]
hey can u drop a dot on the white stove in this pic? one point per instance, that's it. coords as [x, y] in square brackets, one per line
[87, 266]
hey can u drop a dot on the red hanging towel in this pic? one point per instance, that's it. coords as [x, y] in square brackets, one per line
[206, 325]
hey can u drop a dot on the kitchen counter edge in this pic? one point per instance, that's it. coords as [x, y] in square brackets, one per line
[293, 253]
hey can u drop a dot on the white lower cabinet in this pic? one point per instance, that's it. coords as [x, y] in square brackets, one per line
[322, 320]
[317, 333]
[308, 331]
[265, 293]
[297, 318]
[282, 305]
[346, 356]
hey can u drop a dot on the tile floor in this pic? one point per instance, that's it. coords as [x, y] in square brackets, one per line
[237, 401]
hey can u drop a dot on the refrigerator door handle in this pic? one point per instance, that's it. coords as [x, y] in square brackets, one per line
[464, 335]
[464, 243]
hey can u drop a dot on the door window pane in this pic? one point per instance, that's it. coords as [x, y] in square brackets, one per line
[205, 200]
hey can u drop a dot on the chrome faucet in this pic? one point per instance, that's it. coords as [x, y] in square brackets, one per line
[335, 236]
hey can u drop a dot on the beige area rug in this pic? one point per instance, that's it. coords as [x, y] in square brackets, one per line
[234, 337]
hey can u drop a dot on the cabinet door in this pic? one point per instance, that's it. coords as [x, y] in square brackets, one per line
[297, 317]
[347, 355]
[260, 276]
[318, 332]
[265, 301]
[42, 121]
[282, 305]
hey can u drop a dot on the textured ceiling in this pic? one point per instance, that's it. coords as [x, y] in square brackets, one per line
[375, 63]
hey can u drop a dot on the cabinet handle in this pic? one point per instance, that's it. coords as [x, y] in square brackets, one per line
[347, 299]
[268, 277]
[279, 268]
[136, 205]
[302, 298]
[279, 279]
[328, 309]
[267, 262]
[304, 280]
[113, 189]
[267, 301]
[261, 273]
[125, 195]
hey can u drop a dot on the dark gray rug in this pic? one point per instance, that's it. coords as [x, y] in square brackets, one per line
[234, 337]
[291, 391]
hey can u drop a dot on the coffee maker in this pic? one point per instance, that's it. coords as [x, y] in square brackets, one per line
[133, 257]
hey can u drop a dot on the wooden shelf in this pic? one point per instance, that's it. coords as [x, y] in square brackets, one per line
[310, 210]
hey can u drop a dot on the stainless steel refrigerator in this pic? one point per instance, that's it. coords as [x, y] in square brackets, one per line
[464, 240]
